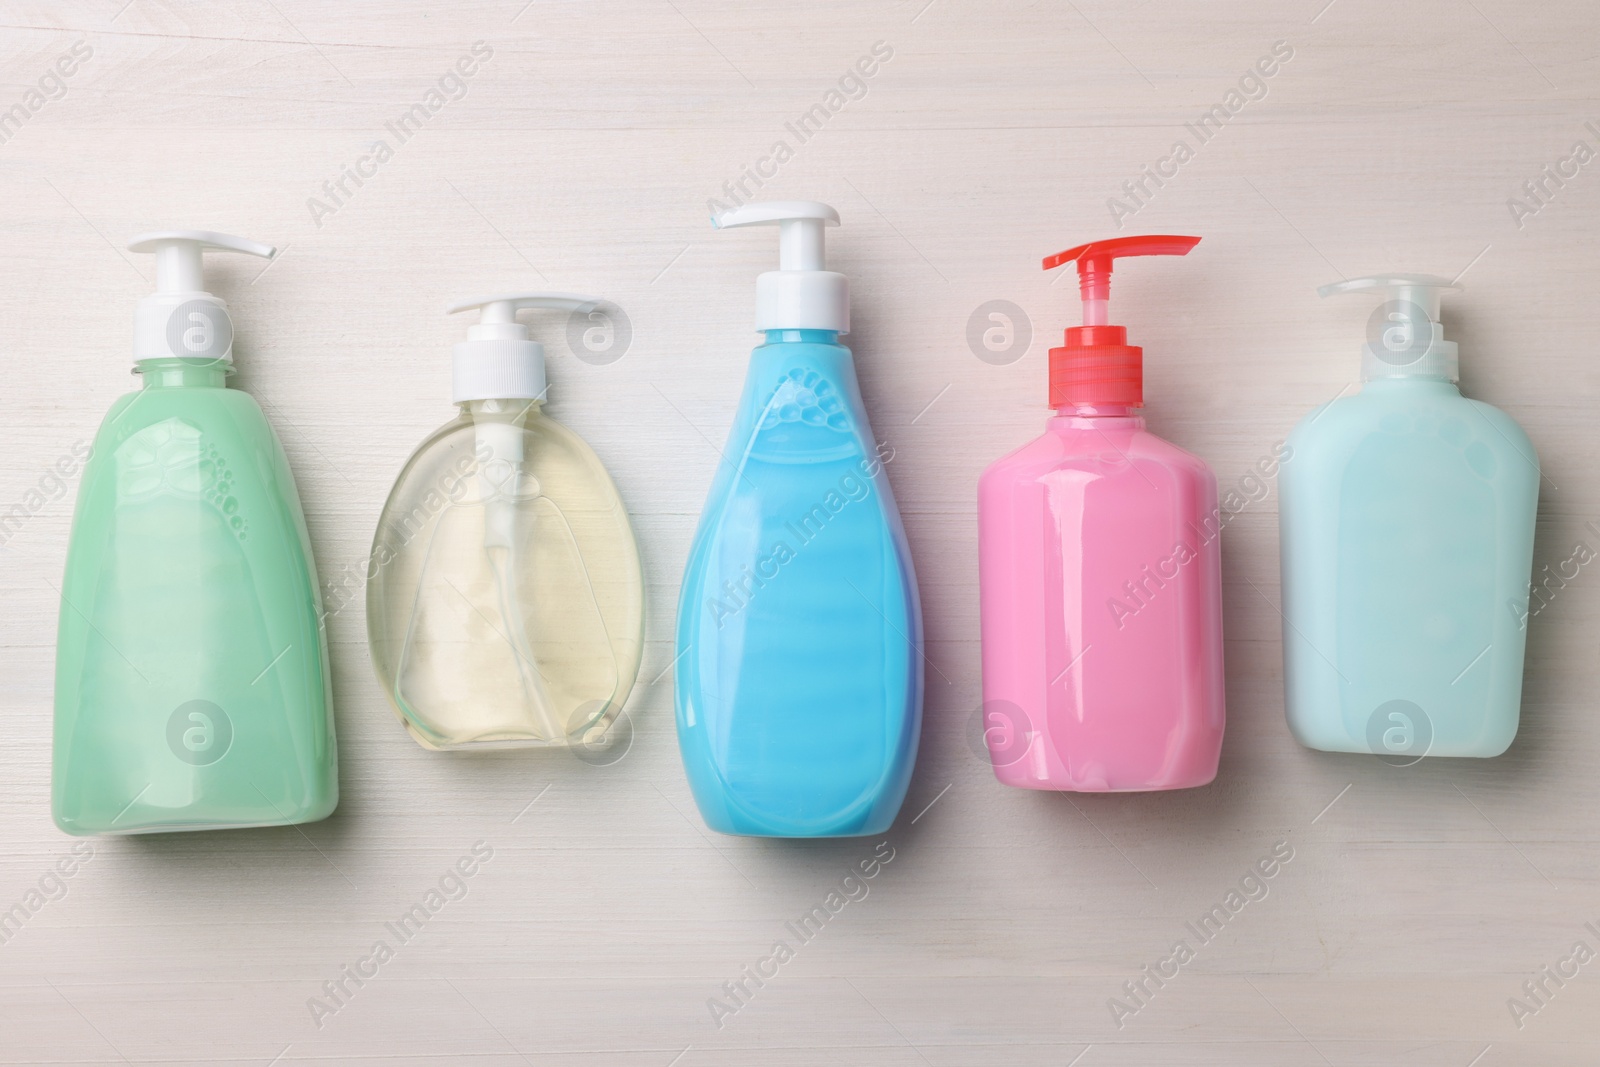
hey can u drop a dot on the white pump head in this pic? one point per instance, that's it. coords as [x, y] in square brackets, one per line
[1406, 339]
[498, 360]
[802, 294]
[180, 318]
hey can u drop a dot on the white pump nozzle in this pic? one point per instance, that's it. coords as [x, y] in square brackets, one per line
[498, 360]
[802, 294]
[1405, 338]
[180, 318]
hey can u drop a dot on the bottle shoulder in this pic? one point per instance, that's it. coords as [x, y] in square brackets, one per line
[1404, 423]
[141, 407]
[1091, 449]
[555, 462]
[202, 468]
[171, 422]
[544, 439]
[1507, 426]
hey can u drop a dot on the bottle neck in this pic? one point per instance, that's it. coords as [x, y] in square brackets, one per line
[1410, 384]
[1100, 418]
[1101, 414]
[813, 337]
[514, 410]
[174, 372]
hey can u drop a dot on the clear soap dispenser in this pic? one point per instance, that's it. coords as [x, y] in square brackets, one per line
[505, 605]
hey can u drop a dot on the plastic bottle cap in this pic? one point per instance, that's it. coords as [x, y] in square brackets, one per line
[180, 318]
[498, 360]
[1406, 338]
[801, 294]
[1097, 365]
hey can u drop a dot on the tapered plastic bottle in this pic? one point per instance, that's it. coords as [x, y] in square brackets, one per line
[506, 605]
[192, 688]
[1099, 576]
[1406, 523]
[799, 669]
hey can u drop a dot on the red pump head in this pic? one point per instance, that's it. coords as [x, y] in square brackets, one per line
[1097, 365]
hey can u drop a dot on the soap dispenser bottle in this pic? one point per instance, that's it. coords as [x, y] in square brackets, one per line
[1406, 525]
[505, 605]
[192, 688]
[1099, 576]
[799, 672]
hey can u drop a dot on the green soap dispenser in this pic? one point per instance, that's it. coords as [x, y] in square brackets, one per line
[192, 687]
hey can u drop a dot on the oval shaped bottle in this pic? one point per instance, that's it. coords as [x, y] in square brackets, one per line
[506, 604]
[799, 672]
[192, 690]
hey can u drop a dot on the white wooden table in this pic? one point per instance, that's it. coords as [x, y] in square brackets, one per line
[581, 157]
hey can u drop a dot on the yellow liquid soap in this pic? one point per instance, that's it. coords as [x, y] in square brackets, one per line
[505, 603]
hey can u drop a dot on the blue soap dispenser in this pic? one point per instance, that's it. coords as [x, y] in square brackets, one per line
[799, 686]
[1406, 519]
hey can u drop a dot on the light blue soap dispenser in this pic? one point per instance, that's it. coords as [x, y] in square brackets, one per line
[1407, 515]
[799, 687]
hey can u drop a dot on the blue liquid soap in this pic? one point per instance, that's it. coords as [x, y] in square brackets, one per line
[1407, 517]
[799, 692]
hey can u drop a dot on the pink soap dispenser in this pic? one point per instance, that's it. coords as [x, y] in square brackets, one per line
[1099, 573]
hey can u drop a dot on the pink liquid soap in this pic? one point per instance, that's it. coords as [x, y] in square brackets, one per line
[1099, 571]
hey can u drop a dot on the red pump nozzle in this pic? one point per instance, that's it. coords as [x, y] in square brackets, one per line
[1097, 365]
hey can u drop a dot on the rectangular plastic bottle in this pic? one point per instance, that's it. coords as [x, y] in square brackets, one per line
[1406, 522]
[192, 689]
[1100, 577]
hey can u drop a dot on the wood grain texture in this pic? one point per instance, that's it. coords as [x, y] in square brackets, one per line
[581, 158]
